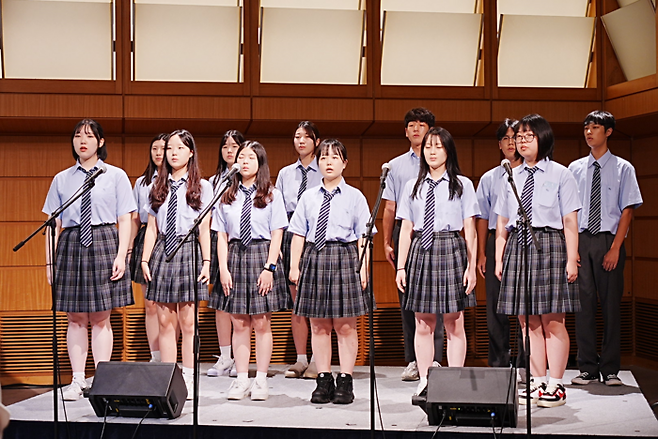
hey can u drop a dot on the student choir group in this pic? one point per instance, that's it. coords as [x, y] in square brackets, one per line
[296, 245]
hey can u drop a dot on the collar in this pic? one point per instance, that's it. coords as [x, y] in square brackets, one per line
[541, 165]
[412, 154]
[183, 179]
[311, 166]
[444, 176]
[341, 186]
[77, 166]
[602, 161]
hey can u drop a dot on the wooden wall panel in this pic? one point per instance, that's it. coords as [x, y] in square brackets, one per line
[553, 111]
[649, 189]
[566, 151]
[376, 152]
[24, 289]
[618, 146]
[393, 110]
[23, 198]
[646, 153]
[486, 155]
[317, 110]
[637, 104]
[465, 155]
[60, 106]
[186, 107]
[644, 228]
[32, 253]
[370, 189]
[645, 279]
[386, 292]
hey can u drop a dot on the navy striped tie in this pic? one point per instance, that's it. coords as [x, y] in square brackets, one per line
[323, 219]
[85, 212]
[526, 202]
[245, 217]
[594, 222]
[428, 221]
[170, 236]
[302, 186]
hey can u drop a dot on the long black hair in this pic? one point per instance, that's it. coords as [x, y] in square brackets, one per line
[263, 182]
[452, 165]
[152, 167]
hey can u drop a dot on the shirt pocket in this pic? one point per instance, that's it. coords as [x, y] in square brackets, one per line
[548, 194]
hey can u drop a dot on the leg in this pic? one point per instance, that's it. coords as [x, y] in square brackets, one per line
[611, 291]
[537, 345]
[223, 324]
[321, 342]
[408, 318]
[101, 336]
[77, 340]
[590, 256]
[262, 324]
[241, 341]
[498, 325]
[557, 344]
[345, 328]
[454, 323]
[168, 318]
[424, 343]
[186, 322]
[299, 327]
[151, 321]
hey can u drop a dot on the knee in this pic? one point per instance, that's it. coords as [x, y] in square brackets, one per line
[321, 328]
[344, 330]
[261, 325]
[77, 321]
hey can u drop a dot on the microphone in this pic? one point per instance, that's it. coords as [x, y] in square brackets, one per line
[385, 170]
[102, 169]
[506, 164]
[234, 170]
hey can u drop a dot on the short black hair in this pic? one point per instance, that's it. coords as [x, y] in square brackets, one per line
[504, 126]
[419, 114]
[599, 117]
[543, 131]
[327, 145]
[95, 128]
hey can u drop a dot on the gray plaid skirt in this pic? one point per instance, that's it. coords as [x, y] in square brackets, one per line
[136, 256]
[214, 261]
[285, 251]
[435, 277]
[329, 284]
[82, 274]
[173, 282]
[245, 265]
[549, 290]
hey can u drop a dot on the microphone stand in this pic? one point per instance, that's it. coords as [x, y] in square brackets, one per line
[526, 227]
[51, 223]
[368, 242]
[194, 230]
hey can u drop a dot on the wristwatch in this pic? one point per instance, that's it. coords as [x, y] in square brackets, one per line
[270, 267]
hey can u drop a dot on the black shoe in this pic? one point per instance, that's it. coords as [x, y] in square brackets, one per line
[585, 378]
[325, 388]
[344, 389]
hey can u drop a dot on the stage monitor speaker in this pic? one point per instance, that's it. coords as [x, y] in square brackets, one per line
[154, 390]
[470, 396]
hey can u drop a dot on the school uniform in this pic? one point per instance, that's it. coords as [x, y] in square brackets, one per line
[247, 262]
[329, 283]
[618, 189]
[173, 282]
[554, 195]
[405, 168]
[435, 275]
[218, 186]
[293, 180]
[82, 272]
[491, 184]
[141, 193]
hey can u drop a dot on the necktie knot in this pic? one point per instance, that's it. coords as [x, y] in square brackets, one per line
[597, 165]
[248, 190]
[531, 171]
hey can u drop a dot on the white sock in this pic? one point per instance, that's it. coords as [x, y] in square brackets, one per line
[261, 376]
[312, 358]
[155, 356]
[539, 380]
[554, 381]
[243, 376]
[302, 359]
[79, 377]
[188, 372]
[225, 351]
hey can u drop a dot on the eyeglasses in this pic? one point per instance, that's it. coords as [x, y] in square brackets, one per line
[527, 138]
[507, 139]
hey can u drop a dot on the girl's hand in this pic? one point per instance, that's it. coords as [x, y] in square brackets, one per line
[572, 271]
[401, 279]
[147, 271]
[265, 282]
[204, 277]
[499, 270]
[364, 277]
[118, 268]
[470, 279]
[294, 275]
[226, 280]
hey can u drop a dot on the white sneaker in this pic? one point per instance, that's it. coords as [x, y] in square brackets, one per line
[436, 364]
[189, 384]
[222, 367]
[259, 390]
[536, 391]
[234, 371]
[410, 373]
[239, 389]
[74, 391]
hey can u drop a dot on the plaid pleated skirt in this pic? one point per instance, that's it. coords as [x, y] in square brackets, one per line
[329, 282]
[173, 282]
[245, 265]
[136, 256]
[435, 277]
[82, 274]
[214, 261]
[285, 252]
[549, 290]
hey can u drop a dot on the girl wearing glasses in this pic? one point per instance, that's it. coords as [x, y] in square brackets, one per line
[549, 195]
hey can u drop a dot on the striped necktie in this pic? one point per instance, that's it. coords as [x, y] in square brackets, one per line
[428, 221]
[323, 219]
[85, 211]
[170, 236]
[594, 222]
[526, 202]
[302, 186]
[245, 217]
